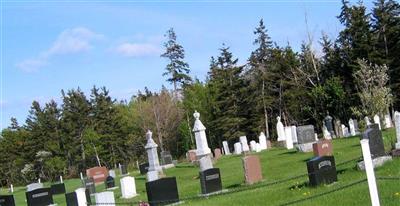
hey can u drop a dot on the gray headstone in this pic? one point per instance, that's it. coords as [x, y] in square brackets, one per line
[33, 186]
[328, 123]
[374, 135]
[305, 134]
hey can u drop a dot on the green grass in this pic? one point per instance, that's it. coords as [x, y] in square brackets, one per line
[277, 164]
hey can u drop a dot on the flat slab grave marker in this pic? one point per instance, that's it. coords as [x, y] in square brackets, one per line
[128, 187]
[323, 148]
[57, 189]
[162, 191]
[210, 181]
[252, 169]
[99, 174]
[39, 197]
[321, 170]
[7, 200]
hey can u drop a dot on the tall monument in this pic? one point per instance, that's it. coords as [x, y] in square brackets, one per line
[199, 129]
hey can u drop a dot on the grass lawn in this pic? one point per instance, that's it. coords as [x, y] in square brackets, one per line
[277, 164]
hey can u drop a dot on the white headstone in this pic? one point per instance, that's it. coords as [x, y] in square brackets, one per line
[12, 188]
[258, 147]
[81, 176]
[128, 187]
[289, 139]
[105, 198]
[81, 196]
[111, 173]
[262, 139]
[377, 120]
[352, 127]
[61, 179]
[152, 155]
[200, 136]
[245, 145]
[152, 175]
[397, 123]
[326, 133]
[205, 163]
[238, 148]
[226, 148]
[253, 145]
[366, 119]
[280, 130]
[316, 136]
[294, 134]
[388, 121]
[33, 186]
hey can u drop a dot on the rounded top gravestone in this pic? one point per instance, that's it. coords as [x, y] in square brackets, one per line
[280, 130]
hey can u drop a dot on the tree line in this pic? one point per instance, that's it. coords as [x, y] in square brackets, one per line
[357, 75]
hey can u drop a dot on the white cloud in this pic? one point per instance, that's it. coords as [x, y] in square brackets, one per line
[69, 41]
[137, 49]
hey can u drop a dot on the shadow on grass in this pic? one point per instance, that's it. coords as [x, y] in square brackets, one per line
[233, 186]
[299, 185]
[185, 166]
[140, 178]
[288, 152]
[307, 159]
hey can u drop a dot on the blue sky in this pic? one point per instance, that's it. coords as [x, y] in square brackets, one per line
[47, 47]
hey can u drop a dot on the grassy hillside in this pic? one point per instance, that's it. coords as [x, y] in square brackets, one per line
[284, 180]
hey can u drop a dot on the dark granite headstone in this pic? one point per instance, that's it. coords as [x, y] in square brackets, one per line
[210, 181]
[87, 194]
[71, 199]
[166, 157]
[374, 135]
[321, 170]
[329, 124]
[89, 185]
[123, 169]
[57, 189]
[7, 200]
[305, 134]
[110, 182]
[144, 168]
[39, 197]
[162, 191]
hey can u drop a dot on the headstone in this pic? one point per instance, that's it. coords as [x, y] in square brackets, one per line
[71, 199]
[345, 131]
[338, 129]
[152, 155]
[217, 153]
[191, 156]
[280, 130]
[294, 134]
[245, 145]
[166, 157]
[144, 168]
[81, 176]
[199, 129]
[253, 145]
[105, 198]
[262, 139]
[323, 148]
[205, 163]
[109, 182]
[305, 138]
[7, 200]
[57, 188]
[388, 121]
[210, 181]
[258, 147]
[367, 121]
[252, 169]
[123, 170]
[352, 127]
[152, 176]
[39, 197]
[99, 174]
[329, 124]
[377, 120]
[128, 187]
[33, 186]
[289, 138]
[326, 133]
[112, 173]
[321, 170]
[83, 196]
[356, 128]
[397, 123]
[375, 140]
[89, 185]
[162, 191]
[316, 136]
[226, 148]
[238, 148]
[11, 188]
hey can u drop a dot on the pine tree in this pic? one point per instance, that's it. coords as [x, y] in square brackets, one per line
[177, 68]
